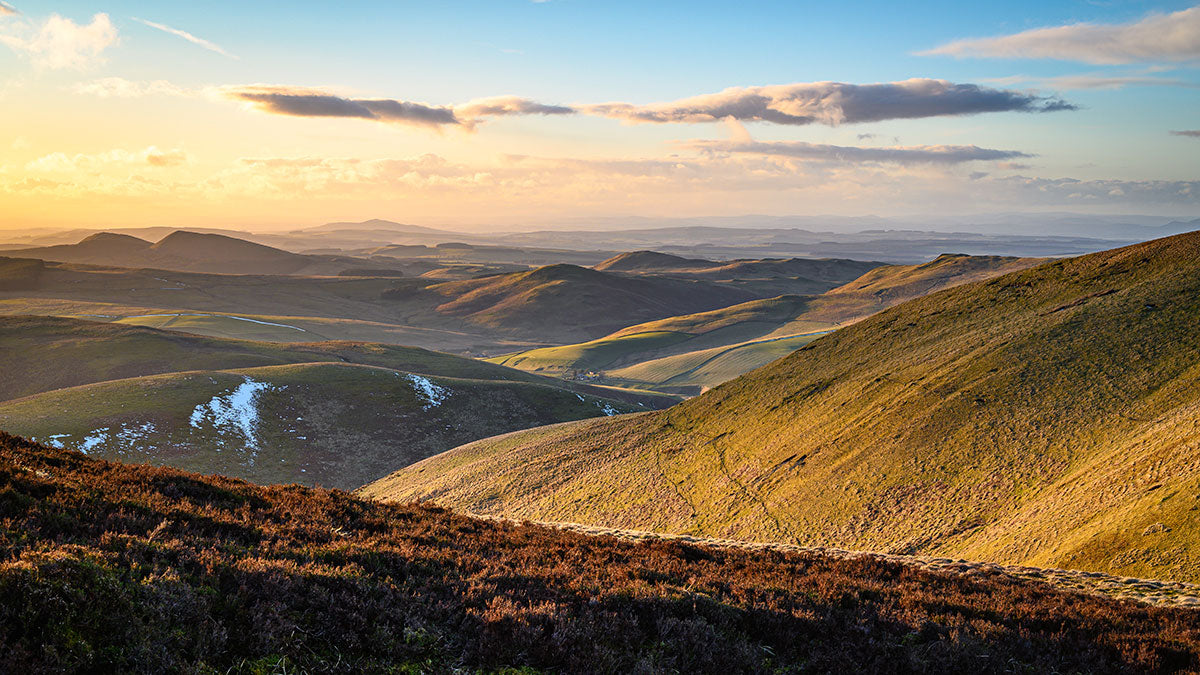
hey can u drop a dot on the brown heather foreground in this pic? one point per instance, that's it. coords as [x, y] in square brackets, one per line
[117, 568]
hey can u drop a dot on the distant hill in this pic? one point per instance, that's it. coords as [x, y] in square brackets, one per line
[763, 278]
[690, 352]
[560, 302]
[1045, 417]
[644, 261]
[379, 224]
[189, 252]
[117, 568]
[490, 314]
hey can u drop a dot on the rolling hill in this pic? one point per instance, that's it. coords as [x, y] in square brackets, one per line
[554, 304]
[333, 424]
[558, 301]
[335, 413]
[116, 568]
[693, 352]
[39, 354]
[184, 251]
[764, 278]
[1048, 417]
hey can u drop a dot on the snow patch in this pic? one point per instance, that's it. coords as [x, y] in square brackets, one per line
[426, 389]
[235, 411]
[97, 437]
[607, 409]
[56, 440]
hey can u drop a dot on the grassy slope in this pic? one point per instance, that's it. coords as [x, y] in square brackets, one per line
[113, 568]
[332, 424]
[572, 300]
[667, 353]
[1047, 416]
[39, 353]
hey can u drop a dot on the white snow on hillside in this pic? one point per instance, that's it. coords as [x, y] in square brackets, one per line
[426, 389]
[235, 411]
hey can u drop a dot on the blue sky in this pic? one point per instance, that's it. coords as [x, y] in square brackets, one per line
[579, 53]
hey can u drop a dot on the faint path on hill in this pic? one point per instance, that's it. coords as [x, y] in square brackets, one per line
[1146, 591]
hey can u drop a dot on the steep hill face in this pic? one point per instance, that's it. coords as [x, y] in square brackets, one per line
[568, 300]
[115, 568]
[1048, 416]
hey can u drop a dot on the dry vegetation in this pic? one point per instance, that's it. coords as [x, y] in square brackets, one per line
[113, 568]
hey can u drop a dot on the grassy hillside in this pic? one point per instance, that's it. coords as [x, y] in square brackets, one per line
[568, 300]
[1047, 417]
[332, 424]
[696, 351]
[115, 568]
[43, 353]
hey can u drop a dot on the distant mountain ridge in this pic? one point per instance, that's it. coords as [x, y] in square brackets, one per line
[186, 251]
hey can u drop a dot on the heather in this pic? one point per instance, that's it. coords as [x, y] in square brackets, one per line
[109, 567]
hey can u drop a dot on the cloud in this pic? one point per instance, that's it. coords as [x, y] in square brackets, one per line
[1114, 82]
[508, 105]
[917, 154]
[1096, 81]
[62, 43]
[1158, 37]
[118, 87]
[834, 103]
[59, 162]
[186, 36]
[298, 102]
[1194, 133]
[7, 9]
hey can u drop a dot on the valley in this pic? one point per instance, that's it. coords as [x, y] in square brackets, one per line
[1043, 417]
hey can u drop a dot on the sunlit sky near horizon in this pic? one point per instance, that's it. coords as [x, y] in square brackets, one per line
[502, 112]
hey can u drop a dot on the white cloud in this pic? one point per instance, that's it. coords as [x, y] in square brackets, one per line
[186, 36]
[118, 87]
[7, 9]
[62, 43]
[916, 154]
[59, 162]
[1158, 37]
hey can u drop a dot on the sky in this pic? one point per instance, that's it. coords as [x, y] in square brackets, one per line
[508, 112]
